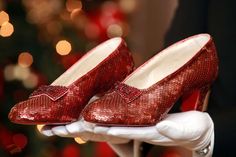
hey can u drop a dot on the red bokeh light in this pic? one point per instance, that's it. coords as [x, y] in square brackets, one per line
[71, 150]
[20, 140]
[101, 19]
[102, 149]
[171, 153]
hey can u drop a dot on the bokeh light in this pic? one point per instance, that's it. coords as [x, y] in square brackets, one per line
[73, 4]
[9, 72]
[4, 17]
[71, 150]
[7, 29]
[25, 59]
[42, 11]
[74, 14]
[65, 16]
[92, 31]
[109, 14]
[21, 73]
[102, 149]
[128, 6]
[63, 47]
[114, 30]
[31, 81]
[14, 149]
[20, 140]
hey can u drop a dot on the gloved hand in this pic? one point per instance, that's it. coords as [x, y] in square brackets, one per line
[193, 130]
[83, 131]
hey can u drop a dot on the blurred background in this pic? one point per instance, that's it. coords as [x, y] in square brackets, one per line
[40, 39]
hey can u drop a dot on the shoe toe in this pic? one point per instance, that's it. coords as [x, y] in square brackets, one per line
[21, 113]
[32, 111]
[94, 113]
[103, 113]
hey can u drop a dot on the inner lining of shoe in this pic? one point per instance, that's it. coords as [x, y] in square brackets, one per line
[166, 62]
[88, 62]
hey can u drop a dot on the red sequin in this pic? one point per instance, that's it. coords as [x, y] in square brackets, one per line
[150, 105]
[59, 105]
[52, 92]
[128, 93]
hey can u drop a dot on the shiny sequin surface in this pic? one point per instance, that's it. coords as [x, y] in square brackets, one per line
[53, 92]
[59, 105]
[129, 106]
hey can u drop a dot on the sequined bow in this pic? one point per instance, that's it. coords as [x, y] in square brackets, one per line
[128, 93]
[53, 92]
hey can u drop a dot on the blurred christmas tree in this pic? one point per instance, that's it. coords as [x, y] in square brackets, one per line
[39, 39]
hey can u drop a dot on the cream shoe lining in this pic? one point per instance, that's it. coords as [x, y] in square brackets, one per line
[167, 62]
[88, 62]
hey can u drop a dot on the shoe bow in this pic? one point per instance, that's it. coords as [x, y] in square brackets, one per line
[52, 92]
[127, 92]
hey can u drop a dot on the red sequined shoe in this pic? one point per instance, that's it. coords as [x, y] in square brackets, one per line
[185, 69]
[63, 100]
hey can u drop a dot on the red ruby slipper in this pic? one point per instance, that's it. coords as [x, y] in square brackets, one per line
[63, 100]
[186, 69]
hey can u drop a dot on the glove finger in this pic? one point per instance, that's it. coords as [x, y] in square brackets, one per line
[46, 130]
[75, 128]
[101, 130]
[100, 134]
[121, 131]
[61, 131]
[88, 126]
[88, 136]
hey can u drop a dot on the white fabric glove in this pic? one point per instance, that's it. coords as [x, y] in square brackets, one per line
[85, 131]
[192, 130]
[81, 129]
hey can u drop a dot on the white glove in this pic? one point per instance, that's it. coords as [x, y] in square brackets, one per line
[192, 130]
[85, 132]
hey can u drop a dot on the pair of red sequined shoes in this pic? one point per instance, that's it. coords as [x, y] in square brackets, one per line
[139, 98]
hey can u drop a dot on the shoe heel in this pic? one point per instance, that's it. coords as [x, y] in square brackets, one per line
[196, 99]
